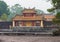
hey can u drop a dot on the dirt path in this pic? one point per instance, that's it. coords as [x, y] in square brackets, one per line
[29, 39]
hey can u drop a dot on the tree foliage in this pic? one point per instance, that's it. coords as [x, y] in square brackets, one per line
[58, 15]
[16, 9]
[50, 10]
[3, 8]
[56, 7]
[56, 4]
[56, 20]
[4, 17]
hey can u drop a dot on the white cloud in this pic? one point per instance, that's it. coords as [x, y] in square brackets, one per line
[39, 4]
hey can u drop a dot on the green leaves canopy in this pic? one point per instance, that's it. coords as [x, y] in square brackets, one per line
[3, 8]
[16, 9]
[56, 7]
[4, 17]
[56, 4]
[57, 18]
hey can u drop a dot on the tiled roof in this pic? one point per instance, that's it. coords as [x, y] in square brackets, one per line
[27, 18]
[49, 16]
[29, 11]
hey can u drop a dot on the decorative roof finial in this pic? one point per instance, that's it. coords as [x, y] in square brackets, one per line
[34, 8]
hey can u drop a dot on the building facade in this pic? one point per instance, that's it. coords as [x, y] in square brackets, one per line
[30, 17]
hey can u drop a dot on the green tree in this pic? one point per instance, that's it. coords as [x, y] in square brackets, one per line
[57, 18]
[3, 8]
[50, 10]
[16, 9]
[56, 8]
[4, 17]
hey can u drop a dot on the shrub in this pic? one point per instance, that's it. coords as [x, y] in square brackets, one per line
[56, 33]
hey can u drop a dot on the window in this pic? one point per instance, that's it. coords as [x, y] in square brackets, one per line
[37, 23]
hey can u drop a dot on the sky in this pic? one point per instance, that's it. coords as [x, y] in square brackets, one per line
[38, 4]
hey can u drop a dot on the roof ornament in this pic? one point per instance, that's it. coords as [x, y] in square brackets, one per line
[34, 8]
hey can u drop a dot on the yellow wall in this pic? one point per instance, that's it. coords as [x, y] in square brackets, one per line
[28, 23]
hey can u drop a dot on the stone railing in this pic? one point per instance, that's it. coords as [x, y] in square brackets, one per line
[32, 29]
[28, 29]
